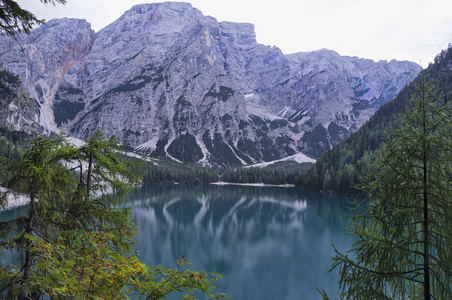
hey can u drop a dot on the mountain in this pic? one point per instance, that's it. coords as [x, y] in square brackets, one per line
[338, 170]
[169, 81]
[16, 107]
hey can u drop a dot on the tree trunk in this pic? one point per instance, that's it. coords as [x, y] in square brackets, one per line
[29, 230]
[426, 237]
[426, 244]
[88, 176]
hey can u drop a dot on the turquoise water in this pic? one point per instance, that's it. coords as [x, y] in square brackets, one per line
[267, 242]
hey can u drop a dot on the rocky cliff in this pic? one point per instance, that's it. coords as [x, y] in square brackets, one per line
[17, 108]
[169, 81]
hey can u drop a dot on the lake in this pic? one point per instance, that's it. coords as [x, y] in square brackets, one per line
[267, 242]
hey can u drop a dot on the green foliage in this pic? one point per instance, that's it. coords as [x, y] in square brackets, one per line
[278, 123]
[261, 124]
[39, 176]
[160, 148]
[65, 110]
[75, 238]
[170, 172]
[249, 147]
[223, 94]
[243, 124]
[88, 268]
[284, 142]
[267, 148]
[337, 133]
[11, 147]
[180, 280]
[226, 118]
[316, 141]
[14, 19]
[278, 173]
[185, 148]
[364, 145]
[219, 150]
[136, 83]
[404, 230]
[69, 89]
[167, 171]
[7, 81]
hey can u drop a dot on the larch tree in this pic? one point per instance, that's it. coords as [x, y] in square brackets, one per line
[75, 237]
[404, 228]
[44, 180]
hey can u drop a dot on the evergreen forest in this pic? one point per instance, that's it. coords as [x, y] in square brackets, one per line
[74, 237]
[340, 170]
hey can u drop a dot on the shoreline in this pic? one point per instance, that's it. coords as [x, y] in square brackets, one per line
[252, 184]
[13, 199]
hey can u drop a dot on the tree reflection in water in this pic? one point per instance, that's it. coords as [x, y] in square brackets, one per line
[269, 243]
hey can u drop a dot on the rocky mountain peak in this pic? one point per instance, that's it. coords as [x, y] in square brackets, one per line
[171, 82]
[142, 8]
[147, 16]
[241, 34]
[50, 51]
[63, 42]
[164, 8]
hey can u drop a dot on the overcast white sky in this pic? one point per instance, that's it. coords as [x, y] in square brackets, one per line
[415, 30]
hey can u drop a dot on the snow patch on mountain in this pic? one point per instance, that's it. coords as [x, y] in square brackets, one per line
[299, 158]
[164, 70]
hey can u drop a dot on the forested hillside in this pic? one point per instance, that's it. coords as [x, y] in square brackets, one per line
[339, 169]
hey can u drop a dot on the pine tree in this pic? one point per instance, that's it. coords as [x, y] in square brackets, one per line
[75, 235]
[404, 230]
[103, 181]
[43, 178]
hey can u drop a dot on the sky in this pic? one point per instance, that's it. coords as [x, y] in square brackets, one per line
[414, 30]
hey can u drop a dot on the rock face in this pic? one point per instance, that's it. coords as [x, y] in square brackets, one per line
[17, 110]
[43, 58]
[169, 81]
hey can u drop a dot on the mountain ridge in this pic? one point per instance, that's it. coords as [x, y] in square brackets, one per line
[164, 78]
[341, 169]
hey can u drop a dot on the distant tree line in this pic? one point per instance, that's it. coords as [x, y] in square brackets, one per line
[73, 239]
[339, 170]
[11, 147]
[279, 173]
[403, 227]
[156, 174]
[259, 175]
[167, 172]
[8, 79]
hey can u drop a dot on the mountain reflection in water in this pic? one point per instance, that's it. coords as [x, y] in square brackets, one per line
[267, 242]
